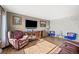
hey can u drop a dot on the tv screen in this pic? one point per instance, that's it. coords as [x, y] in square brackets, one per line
[30, 24]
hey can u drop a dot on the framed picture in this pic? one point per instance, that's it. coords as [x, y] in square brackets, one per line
[17, 20]
[42, 23]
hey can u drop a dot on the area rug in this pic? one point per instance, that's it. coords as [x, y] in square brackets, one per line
[40, 48]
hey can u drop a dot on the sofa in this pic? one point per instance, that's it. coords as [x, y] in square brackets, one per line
[17, 39]
[70, 36]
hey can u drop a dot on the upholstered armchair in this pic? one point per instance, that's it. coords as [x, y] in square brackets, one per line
[71, 36]
[17, 39]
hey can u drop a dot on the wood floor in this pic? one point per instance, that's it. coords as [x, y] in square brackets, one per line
[10, 50]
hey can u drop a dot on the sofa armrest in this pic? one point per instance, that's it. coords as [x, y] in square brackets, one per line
[12, 39]
[14, 42]
[23, 38]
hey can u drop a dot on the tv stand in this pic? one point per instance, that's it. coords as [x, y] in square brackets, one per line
[36, 33]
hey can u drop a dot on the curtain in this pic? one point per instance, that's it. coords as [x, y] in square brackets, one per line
[0, 24]
[4, 37]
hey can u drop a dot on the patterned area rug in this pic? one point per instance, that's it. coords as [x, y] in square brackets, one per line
[40, 48]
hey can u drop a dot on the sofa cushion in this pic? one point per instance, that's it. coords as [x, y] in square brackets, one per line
[17, 34]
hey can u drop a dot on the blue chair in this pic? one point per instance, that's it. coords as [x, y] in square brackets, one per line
[51, 33]
[71, 36]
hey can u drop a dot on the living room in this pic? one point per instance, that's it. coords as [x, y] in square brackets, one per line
[39, 29]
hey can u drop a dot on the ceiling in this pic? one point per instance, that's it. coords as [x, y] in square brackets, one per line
[48, 12]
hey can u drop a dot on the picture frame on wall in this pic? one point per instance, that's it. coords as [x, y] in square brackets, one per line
[42, 23]
[17, 20]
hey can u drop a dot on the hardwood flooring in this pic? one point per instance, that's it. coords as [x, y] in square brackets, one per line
[10, 50]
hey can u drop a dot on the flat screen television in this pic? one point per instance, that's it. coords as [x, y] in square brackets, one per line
[30, 24]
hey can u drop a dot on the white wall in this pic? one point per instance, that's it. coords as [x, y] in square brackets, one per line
[68, 24]
[65, 19]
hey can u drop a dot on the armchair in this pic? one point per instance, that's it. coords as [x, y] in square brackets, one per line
[17, 39]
